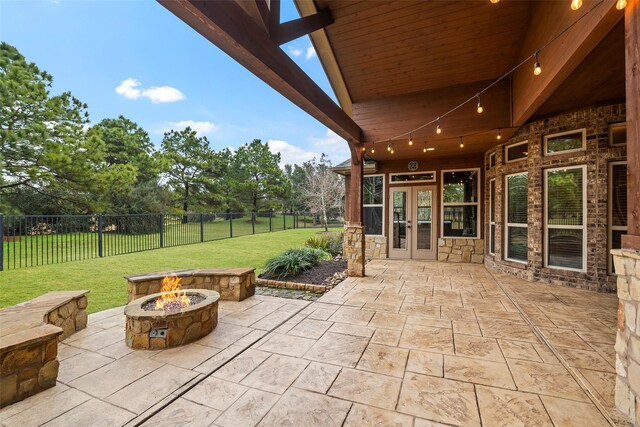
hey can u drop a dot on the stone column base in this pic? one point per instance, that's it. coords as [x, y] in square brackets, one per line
[627, 265]
[354, 249]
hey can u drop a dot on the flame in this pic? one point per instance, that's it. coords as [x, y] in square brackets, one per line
[171, 292]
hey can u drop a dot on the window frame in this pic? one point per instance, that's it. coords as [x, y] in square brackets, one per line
[508, 224]
[384, 203]
[492, 160]
[582, 227]
[546, 138]
[610, 227]
[391, 175]
[476, 203]
[616, 125]
[492, 220]
[515, 144]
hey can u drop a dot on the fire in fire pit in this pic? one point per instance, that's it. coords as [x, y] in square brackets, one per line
[172, 297]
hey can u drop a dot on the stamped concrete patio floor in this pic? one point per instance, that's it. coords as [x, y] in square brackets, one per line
[414, 343]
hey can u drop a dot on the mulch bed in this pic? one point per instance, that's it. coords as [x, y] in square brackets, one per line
[315, 276]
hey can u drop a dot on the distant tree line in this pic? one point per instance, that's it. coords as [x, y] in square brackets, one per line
[53, 162]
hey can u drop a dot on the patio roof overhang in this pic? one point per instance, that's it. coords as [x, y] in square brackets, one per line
[396, 65]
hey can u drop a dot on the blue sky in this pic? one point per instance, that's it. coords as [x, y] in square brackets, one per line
[137, 59]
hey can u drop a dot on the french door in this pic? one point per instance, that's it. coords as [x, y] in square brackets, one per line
[412, 222]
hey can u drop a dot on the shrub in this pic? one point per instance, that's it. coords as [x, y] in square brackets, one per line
[331, 243]
[294, 261]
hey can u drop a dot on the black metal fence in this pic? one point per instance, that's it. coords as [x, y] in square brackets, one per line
[32, 240]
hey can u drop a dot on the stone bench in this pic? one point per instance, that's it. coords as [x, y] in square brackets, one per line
[233, 284]
[29, 335]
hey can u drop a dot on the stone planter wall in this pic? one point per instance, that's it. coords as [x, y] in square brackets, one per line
[461, 250]
[353, 249]
[233, 284]
[596, 157]
[29, 363]
[182, 327]
[627, 394]
[320, 289]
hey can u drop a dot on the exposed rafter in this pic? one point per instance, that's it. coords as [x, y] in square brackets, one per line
[291, 30]
[228, 26]
[563, 56]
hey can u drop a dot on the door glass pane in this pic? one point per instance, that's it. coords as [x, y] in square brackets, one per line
[618, 195]
[399, 220]
[424, 219]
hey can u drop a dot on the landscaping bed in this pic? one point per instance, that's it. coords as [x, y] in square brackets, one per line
[317, 275]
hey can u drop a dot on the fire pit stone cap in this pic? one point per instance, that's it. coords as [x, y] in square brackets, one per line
[159, 275]
[134, 308]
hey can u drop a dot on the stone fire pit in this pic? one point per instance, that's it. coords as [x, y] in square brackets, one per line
[159, 329]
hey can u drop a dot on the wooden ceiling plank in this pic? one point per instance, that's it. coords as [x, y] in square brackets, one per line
[226, 25]
[561, 57]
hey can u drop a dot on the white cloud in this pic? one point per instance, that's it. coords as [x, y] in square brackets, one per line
[333, 146]
[202, 128]
[330, 139]
[290, 154]
[294, 50]
[129, 88]
[311, 52]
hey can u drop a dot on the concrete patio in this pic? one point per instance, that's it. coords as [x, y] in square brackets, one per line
[414, 343]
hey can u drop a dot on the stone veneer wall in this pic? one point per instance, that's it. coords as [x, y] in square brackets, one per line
[375, 247]
[353, 249]
[627, 394]
[233, 284]
[596, 157]
[71, 317]
[461, 250]
[30, 368]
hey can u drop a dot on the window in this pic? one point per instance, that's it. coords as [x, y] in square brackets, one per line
[373, 204]
[565, 142]
[617, 224]
[517, 151]
[492, 217]
[492, 160]
[565, 213]
[516, 201]
[412, 177]
[617, 134]
[460, 205]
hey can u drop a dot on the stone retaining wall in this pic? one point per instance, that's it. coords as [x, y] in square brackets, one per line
[71, 317]
[233, 284]
[627, 394]
[375, 247]
[292, 285]
[461, 250]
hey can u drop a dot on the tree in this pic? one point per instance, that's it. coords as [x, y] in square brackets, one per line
[127, 143]
[189, 164]
[324, 190]
[258, 180]
[44, 148]
[296, 179]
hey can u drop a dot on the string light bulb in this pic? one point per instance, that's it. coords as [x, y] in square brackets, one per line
[364, 149]
[621, 4]
[389, 146]
[424, 150]
[537, 69]
[479, 108]
[392, 150]
[438, 130]
[494, 1]
[499, 137]
[576, 4]
[411, 138]
[373, 148]
[461, 143]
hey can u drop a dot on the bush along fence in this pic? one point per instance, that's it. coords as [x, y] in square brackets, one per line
[32, 240]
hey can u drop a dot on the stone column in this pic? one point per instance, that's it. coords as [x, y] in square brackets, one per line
[354, 249]
[627, 395]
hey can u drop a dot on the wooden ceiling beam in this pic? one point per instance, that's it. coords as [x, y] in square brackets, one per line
[258, 11]
[291, 30]
[561, 57]
[228, 26]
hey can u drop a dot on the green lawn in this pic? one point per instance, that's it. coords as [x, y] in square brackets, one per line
[82, 244]
[104, 276]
